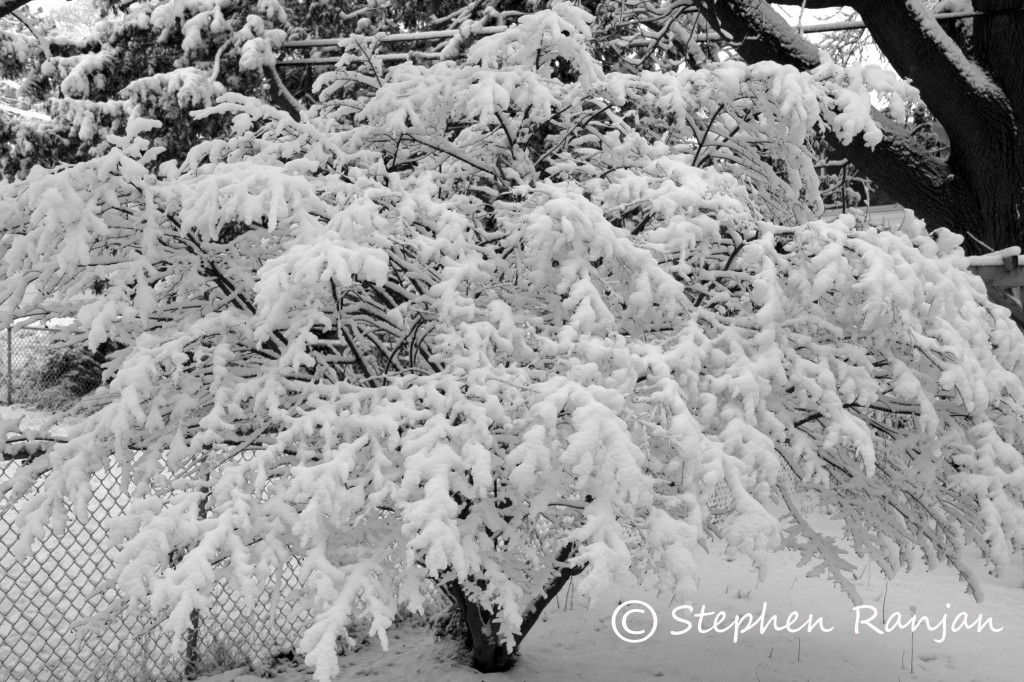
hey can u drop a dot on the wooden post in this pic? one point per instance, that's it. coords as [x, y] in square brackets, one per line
[1005, 285]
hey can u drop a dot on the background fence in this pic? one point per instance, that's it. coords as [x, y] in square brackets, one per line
[58, 620]
[60, 623]
[25, 365]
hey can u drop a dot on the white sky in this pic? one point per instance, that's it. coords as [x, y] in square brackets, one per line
[47, 4]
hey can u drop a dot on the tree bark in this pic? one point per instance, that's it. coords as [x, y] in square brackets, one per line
[998, 46]
[979, 190]
[489, 653]
[974, 110]
[914, 177]
[759, 33]
[9, 6]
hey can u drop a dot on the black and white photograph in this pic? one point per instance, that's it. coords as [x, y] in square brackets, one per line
[511, 340]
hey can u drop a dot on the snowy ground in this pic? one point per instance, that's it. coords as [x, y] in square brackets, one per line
[574, 642]
[579, 643]
[44, 597]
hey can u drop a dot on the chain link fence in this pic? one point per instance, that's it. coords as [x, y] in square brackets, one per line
[61, 622]
[33, 362]
[59, 619]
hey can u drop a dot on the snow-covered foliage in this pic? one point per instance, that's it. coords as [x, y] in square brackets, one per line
[159, 59]
[480, 326]
[164, 59]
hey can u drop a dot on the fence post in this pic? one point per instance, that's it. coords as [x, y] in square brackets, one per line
[10, 374]
[192, 647]
[192, 654]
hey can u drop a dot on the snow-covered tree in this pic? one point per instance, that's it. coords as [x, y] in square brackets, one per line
[164, 59]
[966, 71]
[485, 326]
[158, 59]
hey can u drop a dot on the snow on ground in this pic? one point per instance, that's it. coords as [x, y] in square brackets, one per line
[579, 643]
[42, 596]
[574, 642]
[31, 419]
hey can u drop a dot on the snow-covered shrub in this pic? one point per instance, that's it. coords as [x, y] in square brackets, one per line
[59, 378]
[46, 372]
[486, 328]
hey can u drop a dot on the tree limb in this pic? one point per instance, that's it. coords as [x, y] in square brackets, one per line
[44, 43]
[971, 107]
[985, 143]
[914, 177]
[759, 33]
[979, 189]
[10, 6]
[899, 164]
[812, 4]
[280, 95]
[563, 573]
[21, 448]
[996, 46]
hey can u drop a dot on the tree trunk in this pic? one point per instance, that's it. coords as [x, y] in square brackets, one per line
[978, 97]
[489, 654]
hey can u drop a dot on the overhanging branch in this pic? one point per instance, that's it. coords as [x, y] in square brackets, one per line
[759, 33]
[973, 191]
[914, 177]
[971, 107]
[10, 6]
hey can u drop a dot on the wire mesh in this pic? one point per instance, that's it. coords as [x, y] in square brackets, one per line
[60, 622]
[720, 503]
[33, 362]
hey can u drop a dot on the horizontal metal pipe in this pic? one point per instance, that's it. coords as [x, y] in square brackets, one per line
[391, 38]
